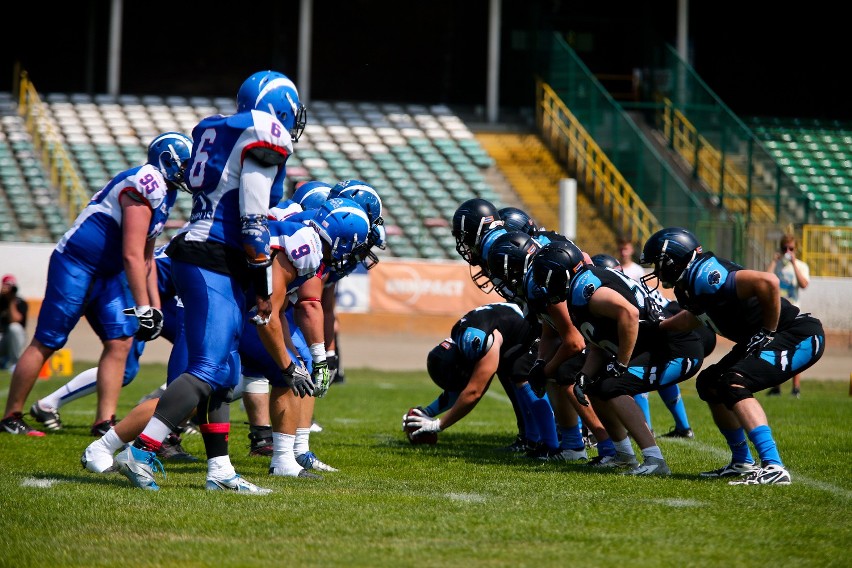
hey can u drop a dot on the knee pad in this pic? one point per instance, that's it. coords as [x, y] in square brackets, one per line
[729, 393]
[707, 384]
[182, 395]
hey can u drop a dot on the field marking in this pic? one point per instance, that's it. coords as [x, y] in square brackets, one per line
[676, 503]
[45, 483]
[467, 497]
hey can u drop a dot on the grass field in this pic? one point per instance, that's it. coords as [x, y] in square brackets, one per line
[459, 502]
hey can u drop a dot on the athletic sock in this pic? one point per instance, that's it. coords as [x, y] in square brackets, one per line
[83, 384]
[283, 457]
[673, 401]
[606, 447]
[763, 442]
[572, 438]
[623, 446]
[302, 444]
[652, 452]
[739, 445]
[642, 400]
[220, 468]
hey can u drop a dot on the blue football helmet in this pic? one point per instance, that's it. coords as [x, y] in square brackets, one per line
[517, 220]
[555, 266]
[670, 251]
[363, 194]
[276, 94]
[170, 153]
[311, 194]
[470, 222]
[344, 226]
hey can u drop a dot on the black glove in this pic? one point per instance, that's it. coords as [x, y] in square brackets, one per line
[580, 389]
[651, 326]
[150, 322]
[759, 340]
[333, 363]
[536, 378]
[298, 379]
[615, 369]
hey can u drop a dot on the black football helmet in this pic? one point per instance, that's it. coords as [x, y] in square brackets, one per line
[446, 368]
[470, 221]
[508, 260]
[554, 267]
[670, 251]
[516, 219]
[606, 261]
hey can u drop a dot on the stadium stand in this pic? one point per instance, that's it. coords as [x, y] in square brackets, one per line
[423, 160]
[818, 158]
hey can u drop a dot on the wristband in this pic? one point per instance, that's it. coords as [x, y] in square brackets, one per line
[141, 310]
[318, 353]
[261, 279]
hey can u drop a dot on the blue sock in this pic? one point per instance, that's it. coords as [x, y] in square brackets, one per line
[761, 437]
[739, 446]
[530, 426]
[671, 398]
[642, 400]
[572, 438]
[606, 447]
[541, 415]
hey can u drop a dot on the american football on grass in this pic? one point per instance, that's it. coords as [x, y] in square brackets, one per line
[427, 438]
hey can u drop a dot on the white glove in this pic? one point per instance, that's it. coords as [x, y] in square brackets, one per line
[422, 421]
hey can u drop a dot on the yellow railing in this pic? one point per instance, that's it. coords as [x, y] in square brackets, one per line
[571, 144]
[827, 250]
[73, 195]
[707, 162]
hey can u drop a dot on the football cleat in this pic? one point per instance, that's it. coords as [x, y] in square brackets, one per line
[49, 417]
[97, 458]
[139, 467]
[309, 460]
[771, 474]
[520, 444]
[652, 466]
[172, 450]
[260, 439]
[620, 459]
[236, 484]
[303, 473]
[678, 433]
[14, 424]
[733, 469]
[315, 427]
[102, 427]
[565, 455]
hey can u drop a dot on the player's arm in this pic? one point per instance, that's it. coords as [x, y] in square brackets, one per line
[329, 302]
[136, 251]
[682, 321]
[272, 334]
[572, 339]
[256, 179]
[766, 288]
[608, 303]
[153, 286]
[480, 379]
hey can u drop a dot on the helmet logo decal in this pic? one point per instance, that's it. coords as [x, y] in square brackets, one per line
[588, 290]
[714, 278]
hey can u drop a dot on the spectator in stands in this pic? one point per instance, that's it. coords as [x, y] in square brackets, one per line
[625, 258]
[237, 174]
[13, 323]
[115, 232]
[773, 343]
[793, 275]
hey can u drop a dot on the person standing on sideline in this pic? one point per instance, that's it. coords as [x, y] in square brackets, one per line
[625, 258]
[793, 275]
[13, 323]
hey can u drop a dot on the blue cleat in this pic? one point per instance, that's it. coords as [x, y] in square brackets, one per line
[139, 467]
[237, 484]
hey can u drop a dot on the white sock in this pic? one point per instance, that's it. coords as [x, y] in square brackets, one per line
[156, 429]
[283, 458]
[652, 452]
[220, 468]
[624, 446]
[302, 446]
[83, 384]
[111, 440]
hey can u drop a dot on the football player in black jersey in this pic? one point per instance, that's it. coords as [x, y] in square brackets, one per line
[774, 341]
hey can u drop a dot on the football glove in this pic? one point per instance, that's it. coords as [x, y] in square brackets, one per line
[405, 416]
[333, 364]
[615, 369]
[298, 379]
[759, 340]
[150, 322]
[256, 318]
[321, 378]
[422, 421]
[580, 389]
[536, 377]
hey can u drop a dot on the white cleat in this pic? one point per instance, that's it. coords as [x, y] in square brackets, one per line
[236, 484]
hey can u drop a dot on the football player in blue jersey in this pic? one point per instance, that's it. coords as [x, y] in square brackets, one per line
[774, 341]
[236, 174]
[114, 233]
[622, 358]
